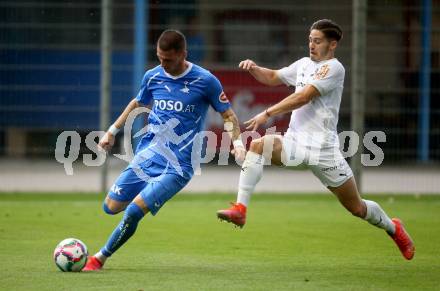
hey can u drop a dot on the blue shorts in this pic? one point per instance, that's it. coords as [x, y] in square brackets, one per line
[155, 191]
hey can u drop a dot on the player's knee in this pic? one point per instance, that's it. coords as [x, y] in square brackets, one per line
[257, 146]
[108, 209]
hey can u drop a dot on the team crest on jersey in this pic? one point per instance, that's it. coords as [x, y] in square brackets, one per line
[322, 72]
[185, 89]
[222, 98]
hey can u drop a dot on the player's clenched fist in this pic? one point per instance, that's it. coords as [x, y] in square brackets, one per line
[247, 64]
[106, 142]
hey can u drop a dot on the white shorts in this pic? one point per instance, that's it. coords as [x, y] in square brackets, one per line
[327, 164]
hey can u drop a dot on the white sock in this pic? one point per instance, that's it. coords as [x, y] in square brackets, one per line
[250, 174]
[100, 256]
[377, 217]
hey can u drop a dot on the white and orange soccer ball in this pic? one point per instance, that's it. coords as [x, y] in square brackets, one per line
[70, 255]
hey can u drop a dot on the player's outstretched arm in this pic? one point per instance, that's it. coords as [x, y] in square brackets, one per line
[108, 140]
[288, 104]
[232, 126]
[263, 75]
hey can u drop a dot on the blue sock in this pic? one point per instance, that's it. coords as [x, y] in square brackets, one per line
[126, 228]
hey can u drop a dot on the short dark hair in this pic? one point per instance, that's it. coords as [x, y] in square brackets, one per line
[172, 39]
[329, 28]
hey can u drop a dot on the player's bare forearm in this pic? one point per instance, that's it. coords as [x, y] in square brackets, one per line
[263, 75]
[119, 123]
[293, 101]
[288, 104]
[231, 124]
[108, 140]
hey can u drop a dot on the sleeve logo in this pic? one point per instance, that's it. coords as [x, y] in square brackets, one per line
[321, 72]
[222, 98]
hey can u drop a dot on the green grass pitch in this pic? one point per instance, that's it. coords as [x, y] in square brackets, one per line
[290, 242]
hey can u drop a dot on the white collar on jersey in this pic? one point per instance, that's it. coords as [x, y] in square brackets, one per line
[323, 61]
[190, 65]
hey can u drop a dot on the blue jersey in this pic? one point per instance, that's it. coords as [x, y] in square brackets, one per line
[179, 108]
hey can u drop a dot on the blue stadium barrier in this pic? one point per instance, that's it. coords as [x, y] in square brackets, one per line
[55, 89]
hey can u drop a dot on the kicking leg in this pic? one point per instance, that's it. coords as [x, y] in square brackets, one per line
[267, 147]
[370, 211]
[126, 228]
[119, 198]
[134, 212]
[150, 199]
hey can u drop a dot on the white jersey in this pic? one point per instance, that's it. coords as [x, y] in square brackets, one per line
[315, 124]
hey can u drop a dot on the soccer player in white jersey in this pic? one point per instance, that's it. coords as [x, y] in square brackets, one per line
[180, 93]
[311, 137]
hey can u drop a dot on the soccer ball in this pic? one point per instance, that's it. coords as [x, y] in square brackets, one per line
[70, 255]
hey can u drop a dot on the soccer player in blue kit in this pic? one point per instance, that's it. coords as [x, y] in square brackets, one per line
[180, 93]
